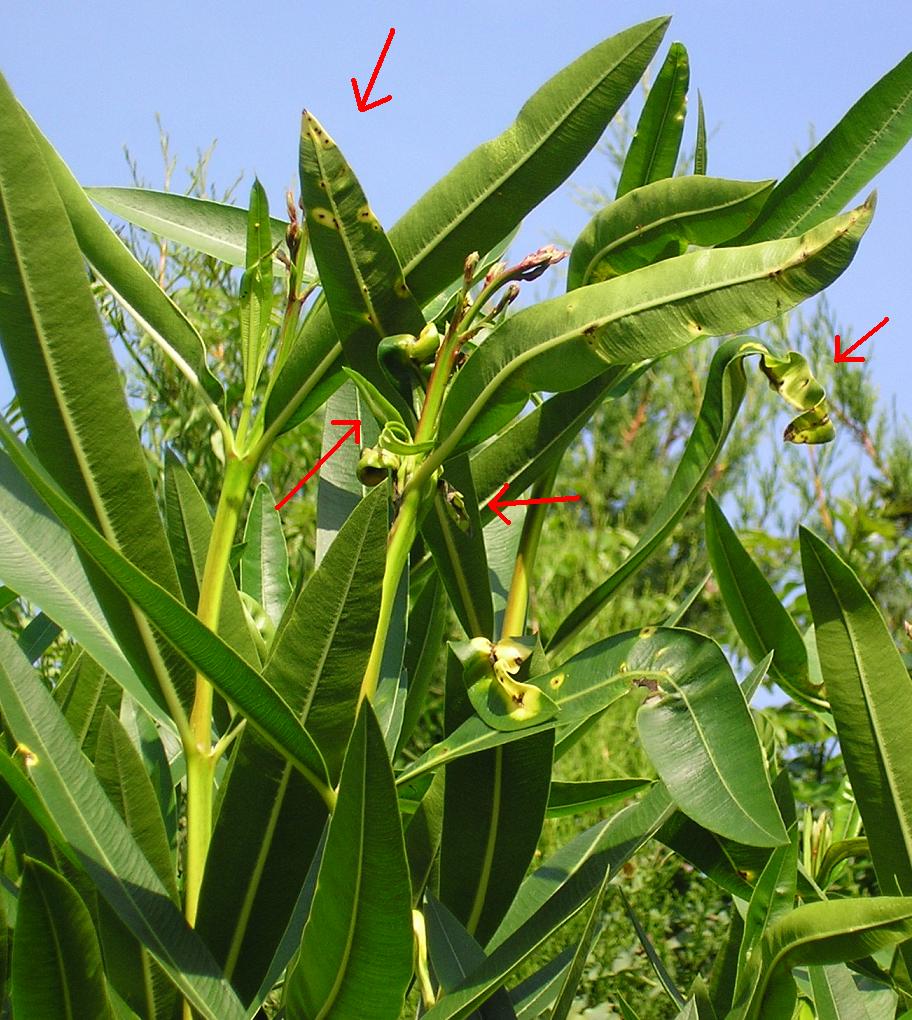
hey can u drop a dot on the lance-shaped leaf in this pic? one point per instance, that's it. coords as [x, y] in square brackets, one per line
[256, 296]
[659, 221]
[845, 161]
[573, 798]
[490, 191]
[563, 343]
[653, 152]
[838, 997]
[234, 678]
[760, 619]
[129, 966]
[829, 932]
[355, 961]
[69, 388]
[427, 620]
[317, 660]
[700, 145]
[454, 954]
[458, 548]
[725, 388]
[365, 289]
[870, 694]
[554, 893]
[698, 732]
[212, 228]
[126, 277]
[97, 839]
[494, 806]
[57, 969]
[533, 443]
[38, 558]
[83, 692]
[264, 561]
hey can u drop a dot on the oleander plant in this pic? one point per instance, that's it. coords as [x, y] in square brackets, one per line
[212, 799]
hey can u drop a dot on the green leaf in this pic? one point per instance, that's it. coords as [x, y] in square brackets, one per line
[554, 893]
[725, 388]
[38, 558]
[356, 952]
[119, 770]
[454, 954]
[773, 897]
[362, 279]
[210, 227]
[534, 996]
[230, 675]
[70, 392]
[824, 933]
[573, 798]
[38, 636]
[587, 942]
[125, 276]
[532, 444]
[57, 969]
[563, 343]
[875, 129]
[130, 967]
[94, 835]
[422, 837]
[316, 662]
[501, 548]
[321, 650]
[762, 622]
[459, 554]
[494, 806]
[660, 220]
[700, 148]
[698, 732]
[427, 620]
[870, 694]
[339, 490]
[489, 192]
[264, 562]
[838, 997]
[653, 152]
[264, 839]
[256, 298]
[83, 692]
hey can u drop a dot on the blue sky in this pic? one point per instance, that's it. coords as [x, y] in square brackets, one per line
[94, 76]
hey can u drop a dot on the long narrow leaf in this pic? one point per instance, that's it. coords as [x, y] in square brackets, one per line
[653, 152]
[874, 130]
[485, 195]
[229, 674]
[565, 342]
[99, 840]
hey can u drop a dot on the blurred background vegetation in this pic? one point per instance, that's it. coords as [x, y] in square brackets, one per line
[858, 492]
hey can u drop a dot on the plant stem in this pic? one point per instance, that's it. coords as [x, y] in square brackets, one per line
[403, 532]
[514, 618]
[198, 751]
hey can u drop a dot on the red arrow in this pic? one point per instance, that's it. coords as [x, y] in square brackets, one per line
[362, 101]
[496, 503]
[842, 357]
[354, 430]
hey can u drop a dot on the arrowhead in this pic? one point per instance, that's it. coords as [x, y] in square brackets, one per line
[495, 504]
[840, 358]
[362, 101]
[354, 427]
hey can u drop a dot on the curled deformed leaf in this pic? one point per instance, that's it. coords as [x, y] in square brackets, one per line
[791, 378]
[501, 700]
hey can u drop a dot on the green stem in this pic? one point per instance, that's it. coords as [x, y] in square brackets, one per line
[198, 750]
[401, 537]
[514, 618]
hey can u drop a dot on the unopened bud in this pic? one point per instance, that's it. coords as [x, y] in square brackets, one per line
[468, 272]
[424, 348]
[532, 266]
